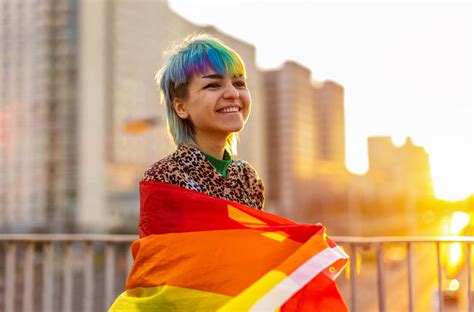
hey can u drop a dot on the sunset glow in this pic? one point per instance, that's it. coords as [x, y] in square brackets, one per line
[452, 176]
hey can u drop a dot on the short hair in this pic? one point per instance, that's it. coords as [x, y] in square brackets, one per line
[194, 56]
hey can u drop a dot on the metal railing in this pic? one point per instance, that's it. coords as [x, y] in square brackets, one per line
[62, 272]
[82, 272]
[378, 243]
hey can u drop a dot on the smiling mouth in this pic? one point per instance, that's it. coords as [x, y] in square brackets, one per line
[229, 110]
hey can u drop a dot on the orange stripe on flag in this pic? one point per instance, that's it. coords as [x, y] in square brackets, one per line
[200, 260]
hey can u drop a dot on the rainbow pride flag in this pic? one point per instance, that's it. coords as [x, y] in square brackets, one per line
[200, 253]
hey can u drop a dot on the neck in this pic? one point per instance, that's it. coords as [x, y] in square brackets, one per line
[214, 147]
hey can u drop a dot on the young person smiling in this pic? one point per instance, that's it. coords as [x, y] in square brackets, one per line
[203, 86]
[197, 251]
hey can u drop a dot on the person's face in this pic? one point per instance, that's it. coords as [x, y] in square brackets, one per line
[215, 105]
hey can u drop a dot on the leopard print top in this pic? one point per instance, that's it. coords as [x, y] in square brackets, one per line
[188, 167]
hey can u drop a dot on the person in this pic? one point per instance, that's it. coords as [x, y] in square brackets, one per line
[204, 243]
[203, 85]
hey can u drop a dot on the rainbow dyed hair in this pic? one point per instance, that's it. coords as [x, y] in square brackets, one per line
[194, 56]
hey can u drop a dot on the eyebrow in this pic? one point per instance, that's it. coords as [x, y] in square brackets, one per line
[213, 76]
[217, 76]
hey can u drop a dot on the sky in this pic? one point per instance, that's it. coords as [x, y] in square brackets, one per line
[406, 68]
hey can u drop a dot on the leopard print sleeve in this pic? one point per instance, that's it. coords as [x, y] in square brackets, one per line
[254, 186]
[160, 171]
[260, 195]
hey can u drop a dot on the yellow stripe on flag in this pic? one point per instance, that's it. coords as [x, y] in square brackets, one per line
[278, 236]
[167, 298]
[244, 218]
[245, 300]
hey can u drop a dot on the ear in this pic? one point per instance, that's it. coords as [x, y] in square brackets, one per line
[180, 108]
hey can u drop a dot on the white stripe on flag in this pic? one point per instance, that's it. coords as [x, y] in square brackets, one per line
[283, 291]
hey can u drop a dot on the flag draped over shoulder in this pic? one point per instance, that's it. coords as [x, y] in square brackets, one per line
[201, 253]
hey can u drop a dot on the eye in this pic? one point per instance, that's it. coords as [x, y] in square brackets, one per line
[212, 85]
[240, 84]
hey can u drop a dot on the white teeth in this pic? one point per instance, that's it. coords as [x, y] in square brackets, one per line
[229, 110]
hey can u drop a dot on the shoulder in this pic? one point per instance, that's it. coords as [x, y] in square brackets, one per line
[162, 170]
[245, 168]
[172, 168]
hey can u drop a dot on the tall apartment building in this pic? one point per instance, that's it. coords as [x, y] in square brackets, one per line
[305, 142]
[80, 114]
[329, 98]
[38, 105]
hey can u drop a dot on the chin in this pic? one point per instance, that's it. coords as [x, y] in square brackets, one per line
[229, 131]
[235, 128]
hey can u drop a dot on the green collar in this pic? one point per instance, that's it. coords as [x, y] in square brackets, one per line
[220, 164]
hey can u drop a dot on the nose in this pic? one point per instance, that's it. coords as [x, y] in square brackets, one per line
[230, 91]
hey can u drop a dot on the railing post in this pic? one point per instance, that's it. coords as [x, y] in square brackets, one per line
[440, 277]
[88, 276]
[28, 279]
[469, 277]
[10, 278]
[48, 276]
[410, 276]
[380, 277]
[67, 277]
[109, 274]
[353, 271]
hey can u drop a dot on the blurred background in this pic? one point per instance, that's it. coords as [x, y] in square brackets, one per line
[362, 113]
[360, 110]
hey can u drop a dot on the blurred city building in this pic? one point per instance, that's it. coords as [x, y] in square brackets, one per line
[80, 113]
[305, 144]
[397, 187]
[38, 111]
[397, 171]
